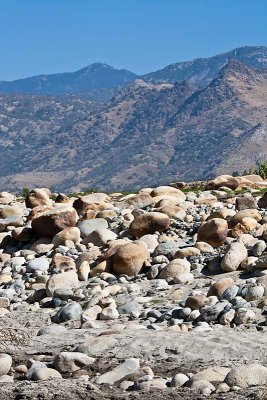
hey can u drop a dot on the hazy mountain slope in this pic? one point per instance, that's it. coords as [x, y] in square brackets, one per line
[29, 122]
[202, 71]
[199, 136]
[147, 134]
[97, 81]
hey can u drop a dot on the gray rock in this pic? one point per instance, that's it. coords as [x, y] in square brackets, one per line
[38, 264]
[121, 372]
[72, 361]
[247, 375]
[210, 314]
[129, 308]
[230, 293]
[45, 374]
[5, 363]
[71, 311]
[258, 248]
[179, 380]
[89, 225]
[34, 367]
[166, 248]
[52, 330]
[244, 316]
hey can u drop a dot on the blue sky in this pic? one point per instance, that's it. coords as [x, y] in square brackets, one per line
[47, 36]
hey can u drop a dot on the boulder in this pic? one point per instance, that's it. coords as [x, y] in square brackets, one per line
[235, 254]
[129, 259]
[72, 361]
[6, 198]
[174, 269]
[243, 203]
[69, 312]
[49, 223]
[213, 232]
[247, 375]
[38, 197]
[223, 180]
[219, 287]
[149, 223]
[90, 225]
[100, 237]
[168, 191]
[121, 372]
[67, 279]
[63, 263]
[5, 363]
[72, 234]
[262, 202]
[45, 374]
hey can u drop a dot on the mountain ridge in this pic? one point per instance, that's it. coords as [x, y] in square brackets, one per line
[146, 134]
[97, 76]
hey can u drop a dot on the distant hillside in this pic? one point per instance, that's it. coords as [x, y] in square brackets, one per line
[97, 81]
[146, 134]
[202, 71]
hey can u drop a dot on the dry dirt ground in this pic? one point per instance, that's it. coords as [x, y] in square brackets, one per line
[166, 353]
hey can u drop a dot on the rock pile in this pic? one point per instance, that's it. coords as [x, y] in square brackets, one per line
[159, 260]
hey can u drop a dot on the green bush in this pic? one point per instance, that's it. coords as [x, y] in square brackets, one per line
[260, 169]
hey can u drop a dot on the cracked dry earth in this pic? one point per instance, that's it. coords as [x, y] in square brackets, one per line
[180, 315]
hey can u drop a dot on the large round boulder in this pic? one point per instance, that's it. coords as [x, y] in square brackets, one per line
[49, 223]
[129, 259]
[213, 232]
[149, 223]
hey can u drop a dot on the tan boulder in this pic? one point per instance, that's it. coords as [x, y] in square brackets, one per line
[49, 223]
[187, 252]
[93, 201]
[62, 198]
[213, 232]
[174, 268]
[196, 302]
[219, 287]
[149, 223]
[72, 233]
[38, 197]
[36, 211]
[235, 254]
[206, 198]
[133, 201]
[67, 279]
[204, 247]
[173, 211]
[225, 213]
[223, 180]
[10, 211]
[168, 191]
[6, 198]
[238, 217]
[130, 258]
[245, 226]
[107, 214]
[61, 262]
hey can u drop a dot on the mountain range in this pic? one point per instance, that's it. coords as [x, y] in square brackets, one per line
[190, 120]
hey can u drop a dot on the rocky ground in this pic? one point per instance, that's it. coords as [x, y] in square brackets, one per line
[159, 294]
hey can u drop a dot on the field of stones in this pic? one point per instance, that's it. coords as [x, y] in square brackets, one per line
[160, 294]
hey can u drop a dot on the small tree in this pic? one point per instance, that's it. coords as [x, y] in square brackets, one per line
[25, 191]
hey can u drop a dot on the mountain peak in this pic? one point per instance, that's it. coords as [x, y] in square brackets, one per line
[202, 71]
